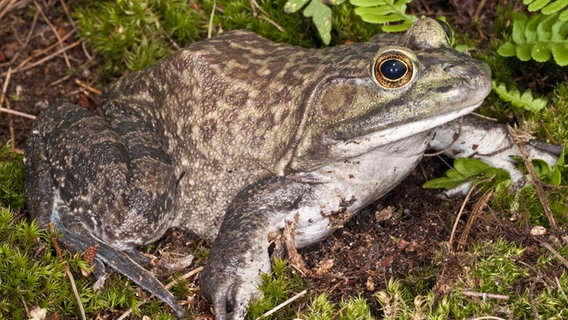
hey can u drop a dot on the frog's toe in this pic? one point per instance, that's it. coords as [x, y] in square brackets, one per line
[230, 303]
[230, 297]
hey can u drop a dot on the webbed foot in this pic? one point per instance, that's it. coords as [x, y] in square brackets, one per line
[232, 281]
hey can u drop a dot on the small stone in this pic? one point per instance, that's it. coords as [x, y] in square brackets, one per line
[538, 231]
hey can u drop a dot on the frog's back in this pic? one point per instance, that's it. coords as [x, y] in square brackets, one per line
[238, 111]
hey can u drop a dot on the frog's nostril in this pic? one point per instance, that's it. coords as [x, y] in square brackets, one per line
[230, 299]
[448, 67]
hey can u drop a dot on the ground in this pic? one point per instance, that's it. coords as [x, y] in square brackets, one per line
[406, 232]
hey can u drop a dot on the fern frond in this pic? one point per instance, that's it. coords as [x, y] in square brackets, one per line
[525, 101]
[390, 13]
[539, 38]
[548, 7]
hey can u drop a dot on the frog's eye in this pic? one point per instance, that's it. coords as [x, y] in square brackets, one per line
[393, 69]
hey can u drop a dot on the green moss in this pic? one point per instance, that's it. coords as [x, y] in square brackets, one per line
[12, 179]
[135, 34]
[497, 266]
[320, 309]
[32, 275]
[554, 118]
[276, 287]
[355, 308]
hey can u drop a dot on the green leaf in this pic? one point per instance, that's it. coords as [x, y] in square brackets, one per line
[470, 167]
[525, 101]
[560, 53]
[524, 52]
[367, 3]
[540, 52]
[378, 18]
[554, 7]
[537, 5]
[390, 13]
[546, 173]
[544, 28]
[469, 171]
[377, 11]
[397, 27]
[519, 25]
[507, 49]
[321, 15]
[563, 16]
[292, 6]
[539, 38]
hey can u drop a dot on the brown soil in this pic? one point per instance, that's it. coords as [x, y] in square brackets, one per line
[404, 233]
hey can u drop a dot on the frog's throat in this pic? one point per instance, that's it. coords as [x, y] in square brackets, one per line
[354, 147]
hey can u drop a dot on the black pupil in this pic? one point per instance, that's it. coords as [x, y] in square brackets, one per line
[393, 69]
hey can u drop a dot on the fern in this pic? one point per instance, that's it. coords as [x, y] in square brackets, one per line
[390, 13]
[540, 38]
[525, 101]
[548, 7]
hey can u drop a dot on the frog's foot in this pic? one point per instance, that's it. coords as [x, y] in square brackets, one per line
[118, 260]
[231, 282]
[231, 290]
[239, 254]
[494, 144]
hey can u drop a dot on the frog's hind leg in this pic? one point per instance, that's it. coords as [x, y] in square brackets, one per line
[101, 186]
[118, 260]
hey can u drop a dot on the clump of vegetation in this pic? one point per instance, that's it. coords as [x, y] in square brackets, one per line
[33, 276]
[539, 37]
[12, 178]
[135, 34]
[277, 287]
[322, 309]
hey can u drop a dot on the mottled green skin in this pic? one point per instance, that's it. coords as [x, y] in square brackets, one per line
[233, 136]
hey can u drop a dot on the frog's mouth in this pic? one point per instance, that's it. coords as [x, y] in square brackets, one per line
[397, 132]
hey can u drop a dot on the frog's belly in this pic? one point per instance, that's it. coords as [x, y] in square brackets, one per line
[347, 186]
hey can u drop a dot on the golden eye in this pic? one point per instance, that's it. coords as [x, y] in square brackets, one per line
[393, 69]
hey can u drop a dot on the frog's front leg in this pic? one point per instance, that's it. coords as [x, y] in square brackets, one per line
[475, 137]
[240, 251]
[105, 184]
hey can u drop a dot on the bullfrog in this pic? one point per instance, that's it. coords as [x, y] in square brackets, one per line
[235, 137]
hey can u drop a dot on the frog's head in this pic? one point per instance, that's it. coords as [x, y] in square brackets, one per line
[404, 86]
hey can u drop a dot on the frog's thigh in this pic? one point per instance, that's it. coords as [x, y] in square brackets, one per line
[120, 192]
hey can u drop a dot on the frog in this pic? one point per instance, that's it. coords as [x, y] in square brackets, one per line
[236, 137]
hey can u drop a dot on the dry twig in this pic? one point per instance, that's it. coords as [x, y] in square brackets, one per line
[46, 58]
[477, 208]
[31, 31]
[68, 273]
[88, 87]
[5, 86]
[283, 304]
[9, 5]
[54, 30]
[18, 113]
[555, 253]
[39, 53]
[452, 235]
[484, 295]
[536, 182]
